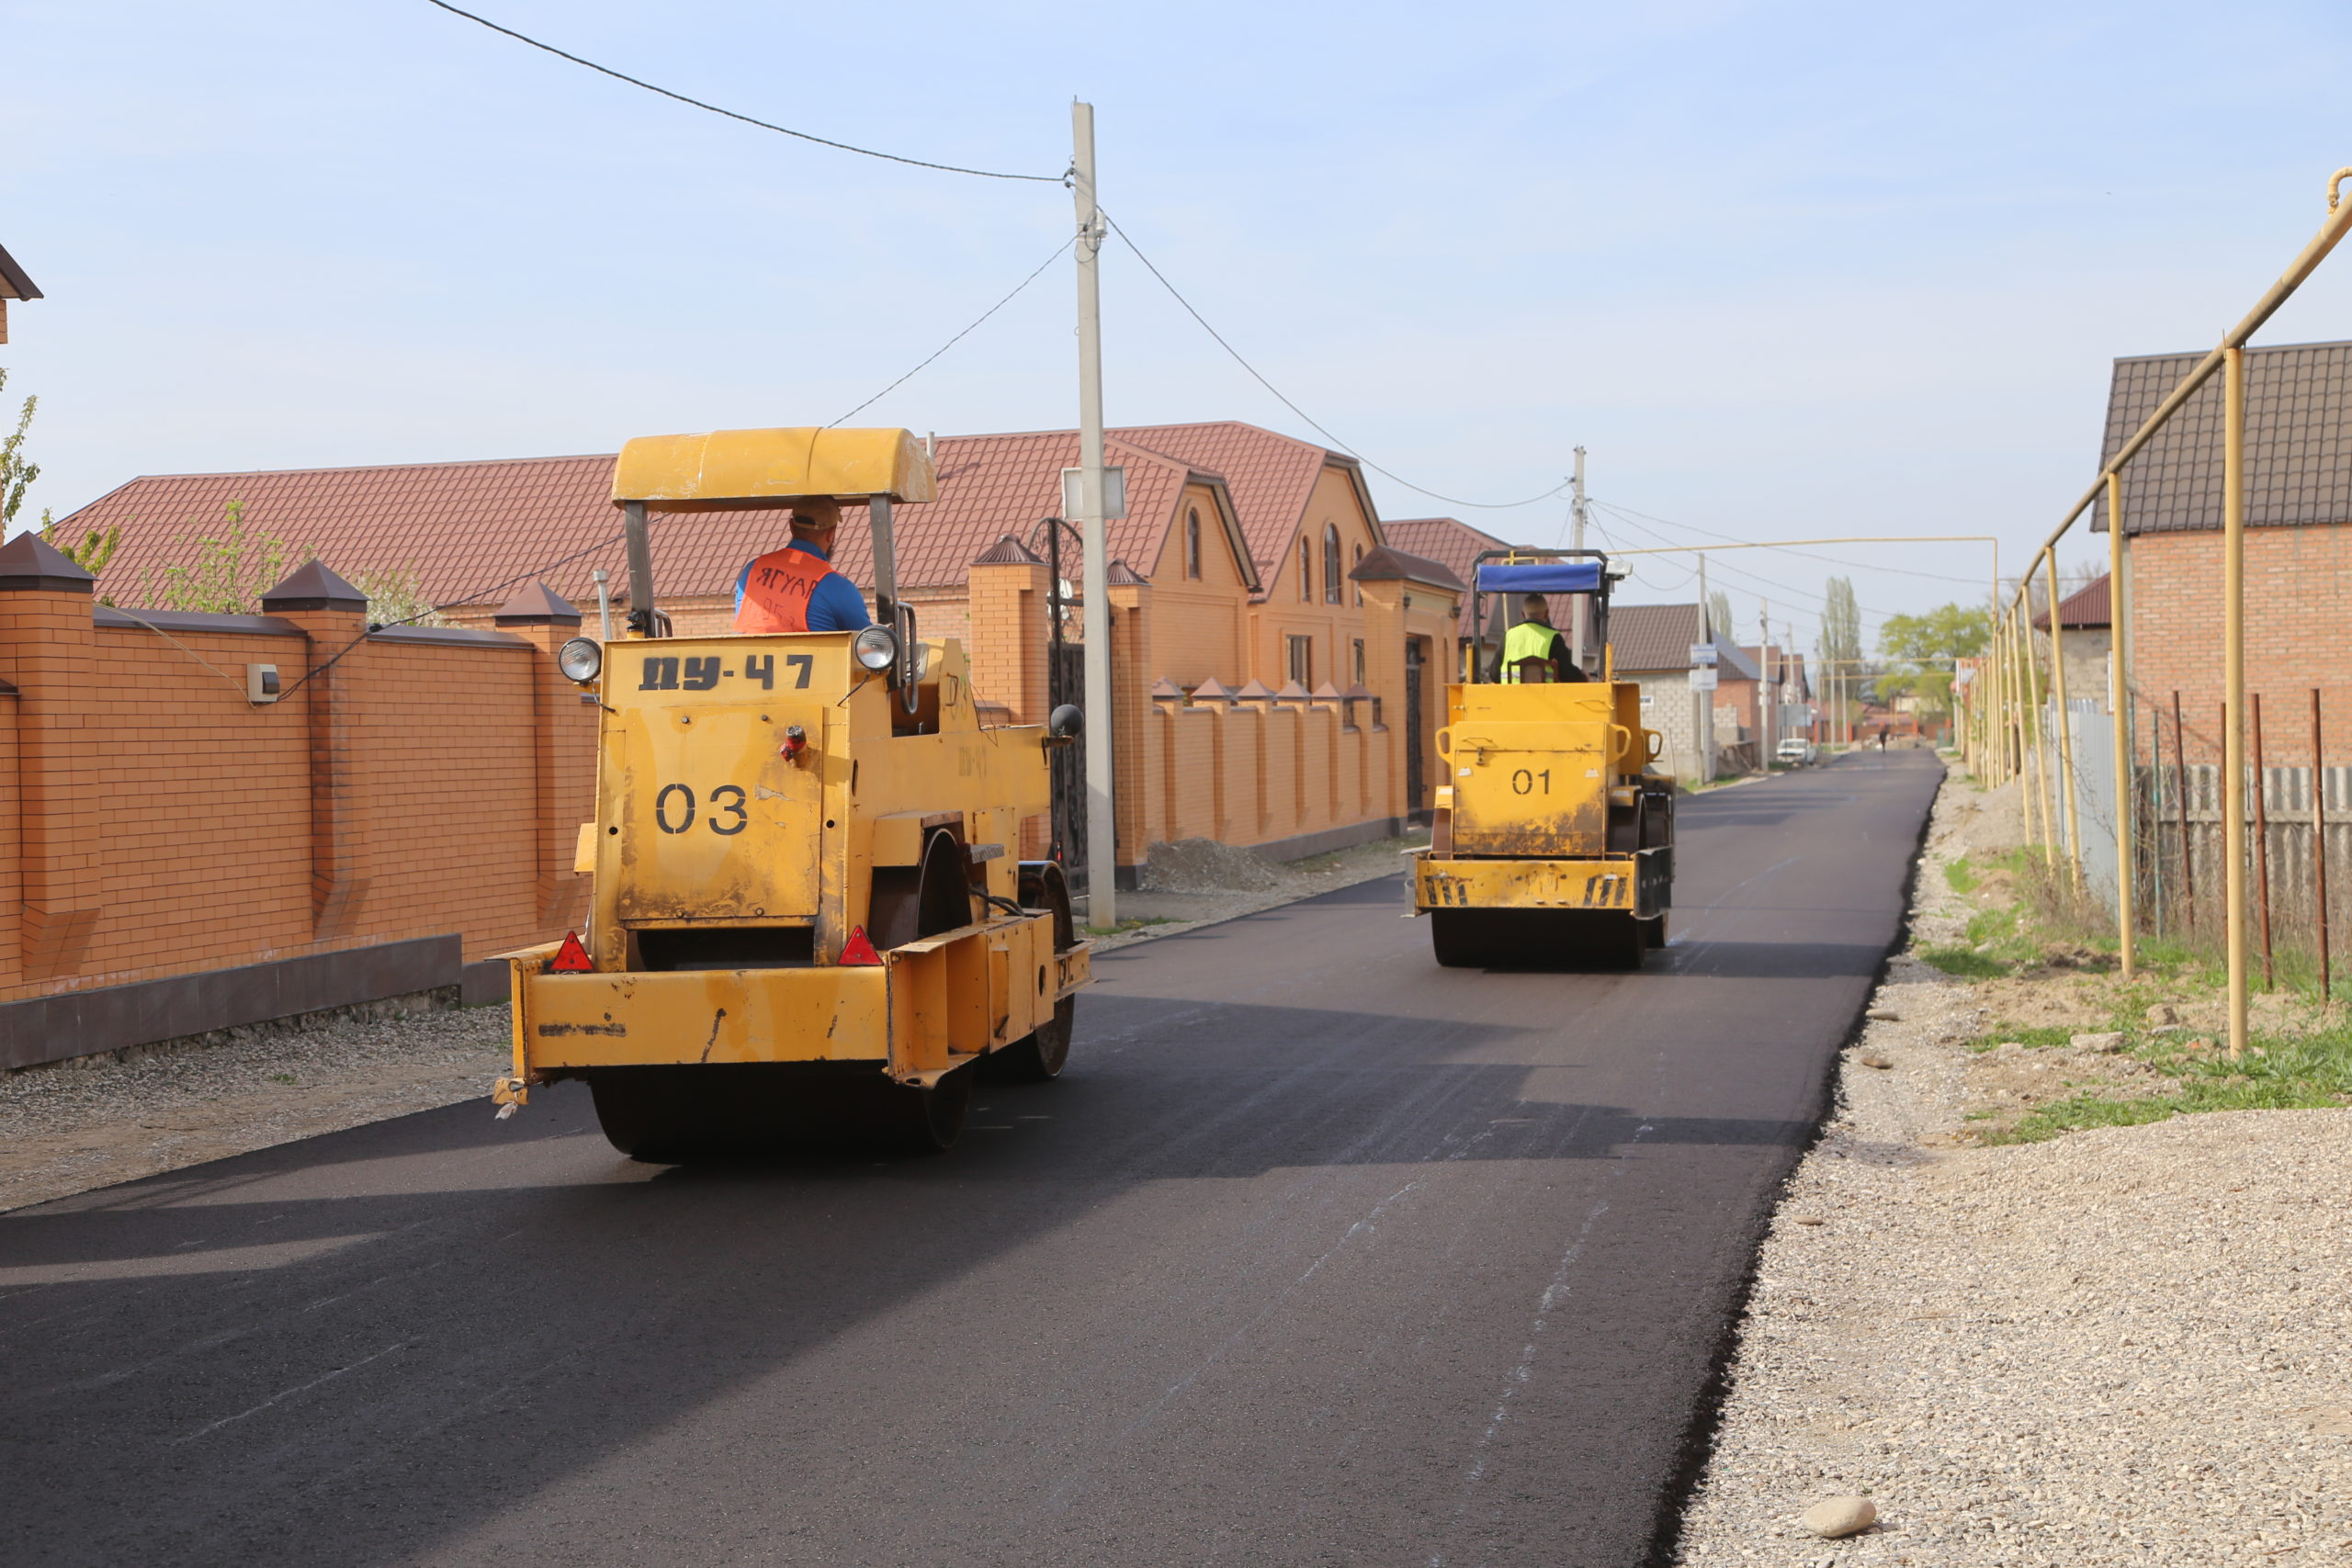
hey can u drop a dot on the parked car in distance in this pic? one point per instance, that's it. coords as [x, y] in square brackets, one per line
[1795, 750]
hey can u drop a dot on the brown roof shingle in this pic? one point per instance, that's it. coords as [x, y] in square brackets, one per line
[2087, 607]
[2299, 441]
[1653, 639]
[471, 530]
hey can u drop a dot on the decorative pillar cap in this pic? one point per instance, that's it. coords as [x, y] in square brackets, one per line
[1255, 692]
[28, 565]
[536, 605]
[313, 587]
[1007, 551]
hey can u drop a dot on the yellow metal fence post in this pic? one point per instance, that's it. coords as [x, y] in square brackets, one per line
[2067, 782]
[2034, 718]
[2234, 680]
[2126, 847]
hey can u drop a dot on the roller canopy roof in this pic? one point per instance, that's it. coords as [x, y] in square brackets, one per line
[1540, 577]
[722, 471]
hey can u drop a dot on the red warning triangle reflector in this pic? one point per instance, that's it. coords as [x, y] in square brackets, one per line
[571, 958]
[858, 950]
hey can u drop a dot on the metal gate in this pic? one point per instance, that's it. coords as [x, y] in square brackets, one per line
[1416, 787]
[1066, 683]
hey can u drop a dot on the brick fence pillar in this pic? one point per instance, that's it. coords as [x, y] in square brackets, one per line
[1006, 613]
[45, 653]
[334, 617]
[563, 731]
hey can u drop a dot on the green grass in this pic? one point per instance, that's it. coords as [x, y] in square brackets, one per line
[2311, 1072]
[1964, 962]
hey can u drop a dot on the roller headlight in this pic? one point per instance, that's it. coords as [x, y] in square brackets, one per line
[875, 648]
[580, 659]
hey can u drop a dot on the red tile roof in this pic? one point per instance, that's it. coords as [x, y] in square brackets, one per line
[2087, 607]
[1271, 476]
[471, 530]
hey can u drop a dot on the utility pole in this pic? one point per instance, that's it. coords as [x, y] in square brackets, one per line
[1702, 727]
[1101, 825]
[1575, 539]
[1767, 709]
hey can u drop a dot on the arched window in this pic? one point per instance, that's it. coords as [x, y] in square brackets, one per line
[1330, 564]
[1359, 561]
[1192, 543]
[1305, 571]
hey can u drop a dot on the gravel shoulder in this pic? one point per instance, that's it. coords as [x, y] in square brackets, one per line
[2121, 1345]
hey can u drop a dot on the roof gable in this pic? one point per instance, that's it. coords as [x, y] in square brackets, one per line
[1272, 476]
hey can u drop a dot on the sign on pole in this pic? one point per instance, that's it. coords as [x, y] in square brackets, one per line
[1704, 653]
[1702, 680]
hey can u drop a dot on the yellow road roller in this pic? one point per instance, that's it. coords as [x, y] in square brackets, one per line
[810, 920]
[1552, 841]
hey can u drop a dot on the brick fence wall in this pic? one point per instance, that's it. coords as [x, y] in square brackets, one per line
[156, 824]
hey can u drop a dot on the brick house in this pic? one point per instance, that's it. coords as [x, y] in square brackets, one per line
[1701, 730]
[2298, 546]
[2087, 635]
[1250, 579]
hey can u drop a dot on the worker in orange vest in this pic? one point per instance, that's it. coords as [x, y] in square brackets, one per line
[795, 588]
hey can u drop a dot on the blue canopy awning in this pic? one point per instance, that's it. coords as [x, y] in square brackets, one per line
[1540, 577]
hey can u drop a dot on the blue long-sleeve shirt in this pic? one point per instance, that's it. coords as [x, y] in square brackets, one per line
[835, 606]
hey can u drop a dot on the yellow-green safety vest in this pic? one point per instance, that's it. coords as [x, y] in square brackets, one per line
[1528, 639]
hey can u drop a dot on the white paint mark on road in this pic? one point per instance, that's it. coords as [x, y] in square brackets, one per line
[305, 1388]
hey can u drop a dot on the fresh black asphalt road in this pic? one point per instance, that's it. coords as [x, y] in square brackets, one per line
[1319, 1254]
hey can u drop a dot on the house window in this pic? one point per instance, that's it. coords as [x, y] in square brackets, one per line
[1192, 543]
[1301, 662]
[1331, 565]
[1358, 562]
[1305, 571]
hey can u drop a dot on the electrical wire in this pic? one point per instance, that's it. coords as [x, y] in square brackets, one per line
[1311, 419]
[967, 331]
[730, 114]
[1784, 549]
[474, 598]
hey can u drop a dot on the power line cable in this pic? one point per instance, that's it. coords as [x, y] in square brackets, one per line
[1311, 419]
[1786, 550]
[730, 114]
[967, 331]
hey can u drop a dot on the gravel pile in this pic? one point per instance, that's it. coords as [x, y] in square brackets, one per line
[1204, 865]
[73, 1126]
[2120, 1347]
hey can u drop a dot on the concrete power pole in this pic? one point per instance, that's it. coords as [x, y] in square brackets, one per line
[1101, 825]
[1576, 606]
[1767, 710]
[1702, 722]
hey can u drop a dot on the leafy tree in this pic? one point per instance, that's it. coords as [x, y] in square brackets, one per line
[1926, 644]
[1719, 614]
[228, 571]
[16, 474]
[396, 597]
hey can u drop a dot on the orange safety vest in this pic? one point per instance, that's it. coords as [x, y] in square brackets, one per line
[776, 593]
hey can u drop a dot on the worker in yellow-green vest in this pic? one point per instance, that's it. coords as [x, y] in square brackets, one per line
[1533, 637]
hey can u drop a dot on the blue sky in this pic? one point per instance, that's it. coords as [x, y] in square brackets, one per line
[1784, 269]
